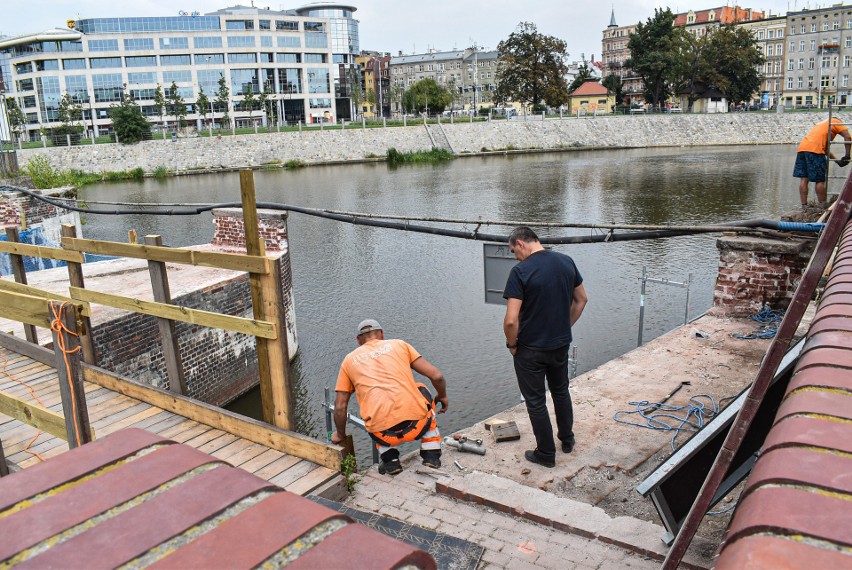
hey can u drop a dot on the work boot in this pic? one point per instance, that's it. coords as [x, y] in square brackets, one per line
[568, 445]
[534, 456]
[431, 458]
[391, 467]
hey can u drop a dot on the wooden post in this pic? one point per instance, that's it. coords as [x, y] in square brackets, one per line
[20, 277]
[4, 469]
[66, 345]
[75, 276]
[132, 237]
[171, 348]
[273, 362]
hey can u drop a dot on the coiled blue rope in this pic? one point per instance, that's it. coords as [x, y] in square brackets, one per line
[768, 321]
[688, 418]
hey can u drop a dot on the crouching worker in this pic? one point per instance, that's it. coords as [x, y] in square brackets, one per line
[395, 408]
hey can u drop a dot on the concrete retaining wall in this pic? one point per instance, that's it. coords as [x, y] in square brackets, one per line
[354, 143]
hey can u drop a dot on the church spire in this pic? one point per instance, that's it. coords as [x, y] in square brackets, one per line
[612, 23]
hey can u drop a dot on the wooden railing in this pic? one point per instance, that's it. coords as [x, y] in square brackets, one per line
[267, 325]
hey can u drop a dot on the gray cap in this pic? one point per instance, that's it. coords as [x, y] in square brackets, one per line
[368, 325]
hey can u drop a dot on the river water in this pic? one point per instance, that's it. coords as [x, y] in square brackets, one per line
[428, 289]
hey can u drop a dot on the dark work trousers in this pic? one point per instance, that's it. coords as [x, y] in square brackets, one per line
[532, 367]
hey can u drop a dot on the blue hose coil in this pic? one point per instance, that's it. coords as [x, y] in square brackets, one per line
[801, 226]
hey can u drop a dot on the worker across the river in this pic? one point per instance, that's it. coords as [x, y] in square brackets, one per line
[395, 408]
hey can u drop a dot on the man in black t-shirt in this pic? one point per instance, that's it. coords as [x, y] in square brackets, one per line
[546, 296]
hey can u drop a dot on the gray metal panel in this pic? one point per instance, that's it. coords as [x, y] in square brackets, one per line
[498, 262]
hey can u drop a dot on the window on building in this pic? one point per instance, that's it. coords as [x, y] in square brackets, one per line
[825, 62]
[789, 83]
[288, 58]
[289, 41]
[760, 35]
[207, 42]
[140, 61]
[315, 58]
[790, 65]
[239, 24]
[108, 87]
[813, 28]
[47, 65]
[845, 81]
[141, 77]
[77, 88]
[21, 68]
[799, 83]
[811, 63]
[318, 80]
[266, 41]
[170, 77]
[285, 25]
[138, 44]
[314, 27]
[174, 60]
[813, 45]
[316, 40]
[209, 59]
[104, 62]
[263, 24]
[319, 103]
[240, 41]
[265, 57]
[770, 50]
[242, 58]
[73, 64]
[781, 33]
[242, 80]
[103, 45]
[801, 63]
[174, 43]
[792, 47]
[835, 25]
[770, 34]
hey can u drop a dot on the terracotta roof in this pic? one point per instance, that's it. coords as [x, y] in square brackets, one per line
[590, 87]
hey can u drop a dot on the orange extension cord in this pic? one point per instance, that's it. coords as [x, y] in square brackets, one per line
[58, 327]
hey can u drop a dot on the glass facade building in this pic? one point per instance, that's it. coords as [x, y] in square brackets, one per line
[288, 54]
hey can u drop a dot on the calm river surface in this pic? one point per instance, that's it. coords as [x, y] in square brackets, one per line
[428, 290]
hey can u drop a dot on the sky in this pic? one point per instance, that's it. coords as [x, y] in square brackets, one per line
[403, 25]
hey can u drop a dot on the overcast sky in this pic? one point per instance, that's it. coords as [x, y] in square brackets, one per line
[410, 26]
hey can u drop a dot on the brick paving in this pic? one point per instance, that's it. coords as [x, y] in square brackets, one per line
[510, 542]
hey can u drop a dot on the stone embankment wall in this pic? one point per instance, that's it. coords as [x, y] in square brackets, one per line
[354, 143]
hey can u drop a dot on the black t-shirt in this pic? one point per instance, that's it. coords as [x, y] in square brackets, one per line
[545, 282]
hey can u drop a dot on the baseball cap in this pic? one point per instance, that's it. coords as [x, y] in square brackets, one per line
[368, 325]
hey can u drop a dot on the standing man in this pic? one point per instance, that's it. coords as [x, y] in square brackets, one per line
[812, 159]
[395, 408]
[546, 296]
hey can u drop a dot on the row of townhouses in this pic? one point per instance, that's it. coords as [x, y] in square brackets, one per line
[808, 52]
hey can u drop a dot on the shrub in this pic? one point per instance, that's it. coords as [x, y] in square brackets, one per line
[293, 164]
[137, 173]
[161, 172]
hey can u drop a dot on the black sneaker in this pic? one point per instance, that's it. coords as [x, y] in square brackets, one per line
[433, 462]
[534, 457]
[391, 467]
[568, 446]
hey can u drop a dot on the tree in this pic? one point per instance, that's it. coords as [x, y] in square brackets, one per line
[127, 120]
[735, 60]
[223, 98]
[372, 99]
[69, 112]
[532, 68]
[160, 103]
[583, 73]
[395, 94]
[655, 47]
[177, 106]
[613, 85]
[249, 100]
[15, 115]
[202, 104]
[426, 95]
[265, 103]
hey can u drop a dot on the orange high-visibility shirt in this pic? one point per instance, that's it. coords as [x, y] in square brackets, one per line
[816, 140]
[379, 372]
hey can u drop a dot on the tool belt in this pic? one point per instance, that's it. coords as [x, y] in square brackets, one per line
[408, 430]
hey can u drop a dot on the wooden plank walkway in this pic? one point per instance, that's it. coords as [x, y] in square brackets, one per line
[110, 411]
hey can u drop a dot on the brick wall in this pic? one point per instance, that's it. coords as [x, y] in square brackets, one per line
[757, 271]
[35, 211]
[218, 365]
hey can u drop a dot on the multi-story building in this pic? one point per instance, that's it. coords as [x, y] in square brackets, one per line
[614, 57]
[470, 74]
[703, 21]
[95, 60]
[375, 80]
[345, 47]
[819, 57]
[769, 36]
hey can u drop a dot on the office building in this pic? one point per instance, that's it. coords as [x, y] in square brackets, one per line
[288, 54]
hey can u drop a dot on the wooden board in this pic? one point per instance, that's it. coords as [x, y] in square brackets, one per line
[232, 261]
[252, 327]
[12, 287]
[41, 251]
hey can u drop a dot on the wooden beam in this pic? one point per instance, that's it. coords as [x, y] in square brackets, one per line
[34, 351]
[66, 346]
[24, 309]
[75, 277]
[41, 251]
[12, 287]
[20, 276]
[292, 443]
[273, 359]
[183, 314]
[232, 261]
[168, 336]
[33, 415]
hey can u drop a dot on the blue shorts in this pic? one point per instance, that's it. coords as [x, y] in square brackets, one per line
[811, 166]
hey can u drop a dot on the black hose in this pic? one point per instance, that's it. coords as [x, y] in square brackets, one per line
[406, 226]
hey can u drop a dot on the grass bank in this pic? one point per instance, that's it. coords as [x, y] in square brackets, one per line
[433, 156]
[44, 176]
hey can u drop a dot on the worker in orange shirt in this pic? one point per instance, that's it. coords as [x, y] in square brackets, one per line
[812, 159]
[394, 407]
